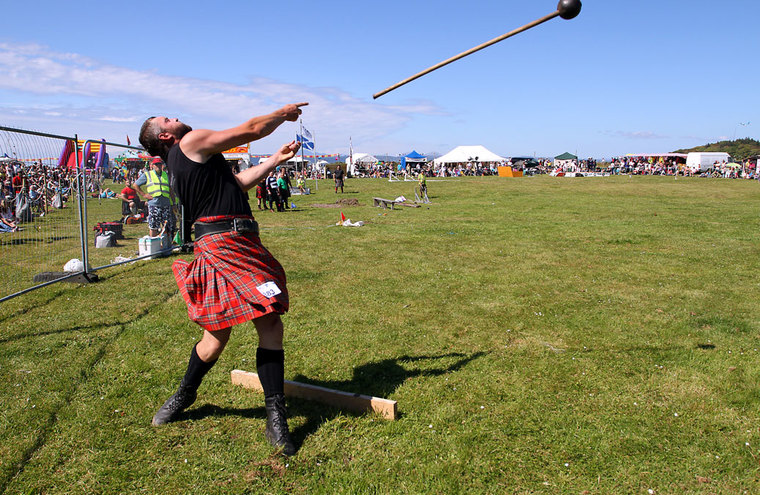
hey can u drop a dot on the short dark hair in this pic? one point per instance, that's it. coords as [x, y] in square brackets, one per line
[149, 139]
[149, 136]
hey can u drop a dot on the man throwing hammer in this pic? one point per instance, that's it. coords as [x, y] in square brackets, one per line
[233, 278]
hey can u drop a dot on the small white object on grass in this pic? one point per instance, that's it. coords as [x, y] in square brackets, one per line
[73, 265]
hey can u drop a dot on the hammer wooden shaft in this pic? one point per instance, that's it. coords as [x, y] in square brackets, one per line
[468, 52]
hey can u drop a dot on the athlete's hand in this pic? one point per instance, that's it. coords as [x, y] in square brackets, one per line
[287, 151]
[292, 111]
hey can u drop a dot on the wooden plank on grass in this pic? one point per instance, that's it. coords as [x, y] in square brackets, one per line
[338, 398]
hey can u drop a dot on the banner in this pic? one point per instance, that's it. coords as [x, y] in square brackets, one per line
[237, 149]
[334, 155]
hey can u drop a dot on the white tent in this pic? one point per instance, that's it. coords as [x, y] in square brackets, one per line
[297, 162]
[359, 159]
[236, 157]
[468, 154]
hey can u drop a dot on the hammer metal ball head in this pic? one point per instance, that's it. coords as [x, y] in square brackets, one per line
[569, 8]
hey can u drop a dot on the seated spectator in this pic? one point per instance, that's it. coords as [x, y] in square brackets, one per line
[107, 193]
[8, 189]
[300, 183]
[7, 217]
[18, 182]
[130, 201]
[34, 195]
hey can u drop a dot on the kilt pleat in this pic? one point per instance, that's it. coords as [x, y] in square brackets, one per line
[220, 286]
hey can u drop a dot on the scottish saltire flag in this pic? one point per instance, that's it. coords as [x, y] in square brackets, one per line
[305, 143]
[305, 139]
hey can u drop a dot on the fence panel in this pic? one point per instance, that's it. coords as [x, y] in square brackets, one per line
[53, 196]
[40, 210]
[103, 205]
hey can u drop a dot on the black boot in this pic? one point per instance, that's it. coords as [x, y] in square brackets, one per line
[277, 432]
[187, 392]
[181, 400]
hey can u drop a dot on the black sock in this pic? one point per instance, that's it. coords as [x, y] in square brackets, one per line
[196, 370]
[270, 365]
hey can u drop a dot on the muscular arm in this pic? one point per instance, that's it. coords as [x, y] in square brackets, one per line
[201, 144]
[248, 178]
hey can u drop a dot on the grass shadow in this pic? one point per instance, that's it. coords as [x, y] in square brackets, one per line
[382, 378]
[207, 410]
[123, 320]
[377, 378]
[26, 309]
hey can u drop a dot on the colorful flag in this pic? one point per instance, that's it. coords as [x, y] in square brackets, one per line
[128, 142]
[306, 143]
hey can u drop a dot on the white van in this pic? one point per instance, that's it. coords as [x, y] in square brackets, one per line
[699, 161]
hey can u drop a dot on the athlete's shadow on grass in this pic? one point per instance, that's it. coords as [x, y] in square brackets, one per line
[382, 378]
[377, 378]
[207, 410]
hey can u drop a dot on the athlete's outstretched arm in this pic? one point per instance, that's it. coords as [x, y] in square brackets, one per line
[201, 144]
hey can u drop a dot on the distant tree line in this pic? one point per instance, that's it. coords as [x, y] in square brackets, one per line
[739, 149]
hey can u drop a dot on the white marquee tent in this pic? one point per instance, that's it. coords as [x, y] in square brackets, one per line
[296, 161]
[360, 159]
[468, 154]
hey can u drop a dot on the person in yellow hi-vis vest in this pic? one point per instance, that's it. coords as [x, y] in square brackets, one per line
[160, 198]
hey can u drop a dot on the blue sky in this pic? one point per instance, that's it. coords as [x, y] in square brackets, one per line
[623, 77]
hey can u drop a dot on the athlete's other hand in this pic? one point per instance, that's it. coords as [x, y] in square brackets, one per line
[287, 151]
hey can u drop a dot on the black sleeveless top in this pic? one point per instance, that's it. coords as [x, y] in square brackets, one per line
[205, 189]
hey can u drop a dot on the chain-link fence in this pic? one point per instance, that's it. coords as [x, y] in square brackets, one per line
[41, 209]
[54, 195]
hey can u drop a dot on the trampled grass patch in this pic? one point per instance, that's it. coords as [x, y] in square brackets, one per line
[541, 335]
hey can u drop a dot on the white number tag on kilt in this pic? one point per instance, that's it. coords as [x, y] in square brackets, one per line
[269, 289]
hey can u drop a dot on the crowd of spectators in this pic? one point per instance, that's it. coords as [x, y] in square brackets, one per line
[466, 169]
[32, 186]
[387, 170]
[36, 188]
[671, 166]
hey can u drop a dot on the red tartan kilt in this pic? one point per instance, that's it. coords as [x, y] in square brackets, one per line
[220, 284]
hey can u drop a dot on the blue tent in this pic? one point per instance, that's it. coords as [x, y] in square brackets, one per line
[412, 157]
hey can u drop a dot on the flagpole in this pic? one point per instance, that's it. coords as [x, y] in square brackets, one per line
[300, 121]
[314, 154]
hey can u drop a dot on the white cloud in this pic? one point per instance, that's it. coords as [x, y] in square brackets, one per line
[635, 134]
[83, 90]
[109, 118]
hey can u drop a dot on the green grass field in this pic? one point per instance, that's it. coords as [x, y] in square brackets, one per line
[541, 335]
